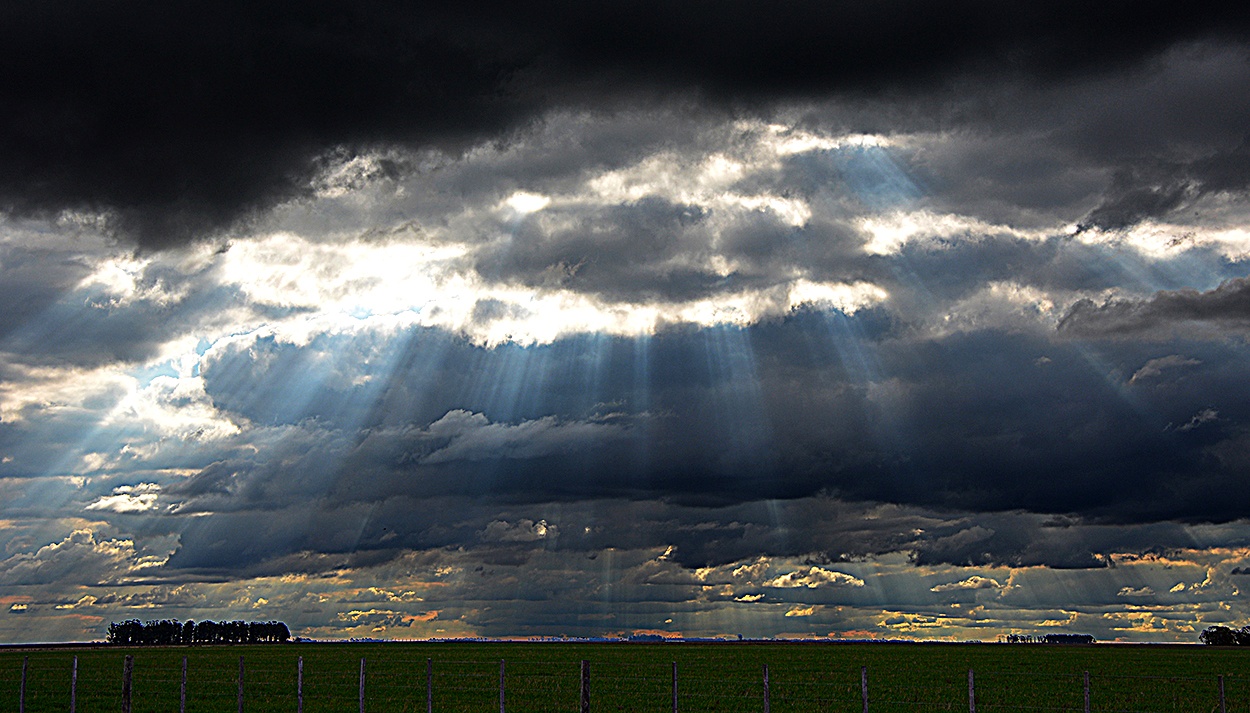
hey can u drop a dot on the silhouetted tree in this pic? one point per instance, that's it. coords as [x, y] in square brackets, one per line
[166, 632]
[124, 633]
[1224, 636]
[1067, 639]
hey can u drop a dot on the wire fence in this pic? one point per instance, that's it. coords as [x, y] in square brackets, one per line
[374, 685]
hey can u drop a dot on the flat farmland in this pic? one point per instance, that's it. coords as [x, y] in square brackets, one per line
[721, 677]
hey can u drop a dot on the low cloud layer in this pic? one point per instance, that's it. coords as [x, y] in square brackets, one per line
[1226, 307]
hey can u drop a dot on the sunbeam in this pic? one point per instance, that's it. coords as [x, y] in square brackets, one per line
[877, 339]
[737, 410]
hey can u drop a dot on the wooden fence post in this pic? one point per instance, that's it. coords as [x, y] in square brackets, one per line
[182, 694]
[299, 685]
[501, 686]
[128, 667]
[585, 686]
[240, 684]
[863, 685]
[1223, 707]
[429, 686]
[1087, 692]
[362, 684]
[972, 693]
[21, 691]
[674, 687]
[73, 688]
[768, 706]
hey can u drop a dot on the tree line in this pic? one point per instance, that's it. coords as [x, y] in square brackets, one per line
[1050, 639]
[133, 632]
[1224, 636]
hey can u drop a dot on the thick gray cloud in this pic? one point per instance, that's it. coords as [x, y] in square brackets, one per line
[521, 319]
[179, 121]
[1225, 307]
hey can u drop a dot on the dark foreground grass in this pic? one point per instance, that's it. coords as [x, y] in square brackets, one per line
[722, 677]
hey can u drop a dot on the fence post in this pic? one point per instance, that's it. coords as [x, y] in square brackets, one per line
[767, 704]
[73, 688]
[362, 684]
[674, 687]
[1087, 692]
[21, 692]
[240, 684]
[585, 686]
[972, 693]
[863, 685]
[299, 685]
[1223, 707]
[501, 664]
[182, 694]
[128, 667]
[429, 686]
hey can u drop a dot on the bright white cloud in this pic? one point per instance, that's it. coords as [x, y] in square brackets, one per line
[1162, 240]
[976, 581]
[889, 233]
[79, 558]
[814, 578]
[129, 499]
[754, 571]
[172, 406]
[523, 203]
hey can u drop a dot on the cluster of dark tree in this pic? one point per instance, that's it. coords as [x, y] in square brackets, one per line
[134, 632]
[1050, 639]
[1224, 636]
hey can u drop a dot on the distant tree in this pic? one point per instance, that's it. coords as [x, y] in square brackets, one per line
[169, 631]
[1067, 639]
[1224, 636]
[124, 633]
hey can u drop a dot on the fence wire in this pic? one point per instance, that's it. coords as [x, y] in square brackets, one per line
[93, 683]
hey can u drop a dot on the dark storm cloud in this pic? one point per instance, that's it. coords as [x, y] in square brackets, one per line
[816, 531]
[854, 406]
[626, 249]
[818, 402]
[1154, 190]
[1225, 307]
[178, 120]
[1134, 197]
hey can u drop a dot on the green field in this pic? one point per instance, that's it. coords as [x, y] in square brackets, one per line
[726, 677]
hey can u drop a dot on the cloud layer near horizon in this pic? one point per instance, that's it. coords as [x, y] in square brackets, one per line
[414, 321]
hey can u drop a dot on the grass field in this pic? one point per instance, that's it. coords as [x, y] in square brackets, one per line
[724, 677]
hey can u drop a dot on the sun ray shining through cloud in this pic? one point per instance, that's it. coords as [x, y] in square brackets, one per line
[939, 338]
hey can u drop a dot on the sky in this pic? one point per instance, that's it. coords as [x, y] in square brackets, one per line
[886, 319]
